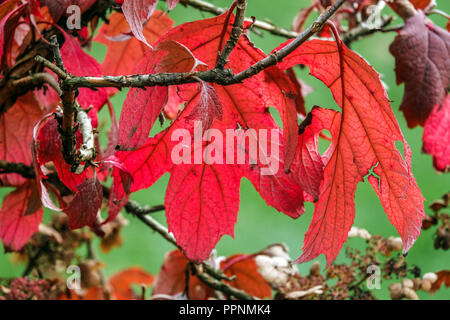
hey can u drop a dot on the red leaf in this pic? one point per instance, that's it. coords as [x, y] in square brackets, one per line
[171, 280]
[20, 216]
[93, 293]
[202, 196]
[16, 131]
[364, 140]
[79, 63]
[172, 3]
[248, 278]
[49, 149]
[206, 197]
[120, 188]
[436, 135]
[421, 56]
[308, 164]
[271, 88]
[301, 17]
[83, 208]
[137, 13]
[122, 55]
[121, 282]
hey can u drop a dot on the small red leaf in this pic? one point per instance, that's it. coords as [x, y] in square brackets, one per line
[436, 135]
[421, 56]
[83, 208]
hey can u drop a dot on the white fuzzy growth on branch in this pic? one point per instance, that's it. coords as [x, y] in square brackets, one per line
[87, 149]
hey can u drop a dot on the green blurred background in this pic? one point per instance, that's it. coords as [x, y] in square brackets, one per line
[259, 225]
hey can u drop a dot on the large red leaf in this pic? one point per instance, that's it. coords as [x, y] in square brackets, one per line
[123, 51]
[202, 197]
[364, 140]
[20, 216]
[16, 131]
[121, 282]
[421, 56]
[436, 135]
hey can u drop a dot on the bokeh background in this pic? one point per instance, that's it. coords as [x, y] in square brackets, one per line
[259, 225]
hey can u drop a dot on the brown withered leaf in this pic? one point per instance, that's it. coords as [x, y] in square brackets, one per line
[421, 54]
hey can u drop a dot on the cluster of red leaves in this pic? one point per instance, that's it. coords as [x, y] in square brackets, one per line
[171, 280]
[202, 200]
